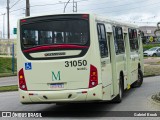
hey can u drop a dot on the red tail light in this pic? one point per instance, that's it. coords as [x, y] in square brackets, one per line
[93, 79]
[23, 21]
[85, 16]
[22, 82]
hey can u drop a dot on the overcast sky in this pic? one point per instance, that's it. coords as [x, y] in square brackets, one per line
[139, 12]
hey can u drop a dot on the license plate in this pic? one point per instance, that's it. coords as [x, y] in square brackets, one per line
[57, 85]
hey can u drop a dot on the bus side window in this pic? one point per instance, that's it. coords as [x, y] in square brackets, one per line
[102, 40]
[133, 39]
[115, 41]
[118, 40]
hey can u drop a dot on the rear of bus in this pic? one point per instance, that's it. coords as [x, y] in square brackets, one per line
[58, 59]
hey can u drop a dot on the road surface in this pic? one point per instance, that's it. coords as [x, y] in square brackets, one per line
[136, 99]
[6, 81]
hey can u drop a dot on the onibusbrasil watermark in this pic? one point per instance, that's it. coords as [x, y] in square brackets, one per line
[21, 114]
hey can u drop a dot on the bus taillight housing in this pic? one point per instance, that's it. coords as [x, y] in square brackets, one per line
[22, 82]
[93, 79]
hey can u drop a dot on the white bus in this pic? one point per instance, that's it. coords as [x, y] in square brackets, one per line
[77, 58]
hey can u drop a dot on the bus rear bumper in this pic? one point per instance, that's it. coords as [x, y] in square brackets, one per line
[79, 95]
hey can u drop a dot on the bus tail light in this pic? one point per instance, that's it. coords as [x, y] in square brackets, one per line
[85, 16]
[93, 79]
[23, 20]
[22, 82]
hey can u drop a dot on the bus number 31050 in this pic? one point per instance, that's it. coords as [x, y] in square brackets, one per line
[75, 63]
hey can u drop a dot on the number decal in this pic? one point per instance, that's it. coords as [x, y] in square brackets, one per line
[84, 62]
[76, 63]
[67, 64]
[79, 62]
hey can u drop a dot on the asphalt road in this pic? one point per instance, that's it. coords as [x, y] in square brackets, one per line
[6, 81]
[136, 99]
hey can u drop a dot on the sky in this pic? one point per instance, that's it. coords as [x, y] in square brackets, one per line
[138, 12]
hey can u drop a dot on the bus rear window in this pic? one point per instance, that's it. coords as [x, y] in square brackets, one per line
[55, 31]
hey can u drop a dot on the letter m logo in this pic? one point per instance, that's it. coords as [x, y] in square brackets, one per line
[56, 77]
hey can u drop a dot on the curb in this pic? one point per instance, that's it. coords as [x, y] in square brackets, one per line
[150, 76]
[9, 91]
[1, 76]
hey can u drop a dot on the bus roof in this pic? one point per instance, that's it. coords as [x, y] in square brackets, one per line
[97, 17]
[114, 22]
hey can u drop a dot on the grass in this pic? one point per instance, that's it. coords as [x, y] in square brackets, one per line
[156, 97]
[6, 66]
[158, 62]
[9, 88]
[151, 70]
[148, 46]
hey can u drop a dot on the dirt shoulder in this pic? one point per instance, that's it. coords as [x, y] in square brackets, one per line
[152, 60]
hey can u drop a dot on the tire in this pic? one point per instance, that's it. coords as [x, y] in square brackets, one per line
[139, 82]
[154, 55]
[118, 98]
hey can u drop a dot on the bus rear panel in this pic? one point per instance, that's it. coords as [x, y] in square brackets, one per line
[56, 61]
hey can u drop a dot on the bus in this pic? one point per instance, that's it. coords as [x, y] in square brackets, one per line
[67, 58]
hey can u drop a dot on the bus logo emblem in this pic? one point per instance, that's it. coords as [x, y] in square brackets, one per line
[56, 76]
[55, 54]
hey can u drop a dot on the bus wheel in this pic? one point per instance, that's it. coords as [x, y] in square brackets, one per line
[139, 82]
[118, 98]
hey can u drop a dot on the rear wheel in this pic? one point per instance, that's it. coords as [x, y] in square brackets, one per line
[118, 98]
[154, 55]
[139, 82]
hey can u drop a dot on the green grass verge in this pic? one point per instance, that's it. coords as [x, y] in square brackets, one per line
[158, 62]
[148, 46]
[6, 65]
[9, 88]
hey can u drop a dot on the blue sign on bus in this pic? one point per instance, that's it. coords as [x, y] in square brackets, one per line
[28, 66]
